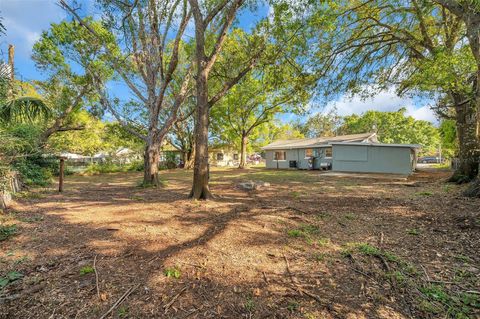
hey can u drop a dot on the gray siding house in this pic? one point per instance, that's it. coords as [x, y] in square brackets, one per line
[347, 153]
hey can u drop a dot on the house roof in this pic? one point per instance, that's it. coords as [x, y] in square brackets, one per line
[379, 144]
[320, 141]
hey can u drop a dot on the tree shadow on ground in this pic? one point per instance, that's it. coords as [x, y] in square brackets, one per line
[232, 254]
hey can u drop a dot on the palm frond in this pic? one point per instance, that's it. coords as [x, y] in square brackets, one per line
[24, 109]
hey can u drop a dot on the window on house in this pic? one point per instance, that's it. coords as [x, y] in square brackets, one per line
[328, 152]
[309, 152]
[280, 155]
[235, 157]
[219, 156]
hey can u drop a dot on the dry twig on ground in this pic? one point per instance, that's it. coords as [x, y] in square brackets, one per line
[119, 301]
[96, 275]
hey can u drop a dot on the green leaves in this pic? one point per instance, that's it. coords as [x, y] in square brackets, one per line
[9, 278]
[24, 109]
[393, 127]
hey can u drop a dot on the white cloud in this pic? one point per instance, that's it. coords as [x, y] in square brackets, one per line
[383, 101]
[26, 19]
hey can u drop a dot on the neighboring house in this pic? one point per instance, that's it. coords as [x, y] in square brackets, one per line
[168, 152]
[347, 153]
[223, 155]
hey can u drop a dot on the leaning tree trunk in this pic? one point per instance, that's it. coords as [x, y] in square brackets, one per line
[200, 189]
[243, 151]
[151, 160]
[468, 156]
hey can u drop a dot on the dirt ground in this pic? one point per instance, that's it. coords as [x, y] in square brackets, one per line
[308, 246]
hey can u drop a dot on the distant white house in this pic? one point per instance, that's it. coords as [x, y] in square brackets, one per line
[223, 155]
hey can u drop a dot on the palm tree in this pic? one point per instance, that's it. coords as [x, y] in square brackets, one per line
[23, 109]
[19, 108]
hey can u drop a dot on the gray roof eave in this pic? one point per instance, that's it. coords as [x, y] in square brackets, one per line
[275, 148]
[378, 144]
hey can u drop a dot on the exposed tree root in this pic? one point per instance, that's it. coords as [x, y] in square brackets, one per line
[473, 189]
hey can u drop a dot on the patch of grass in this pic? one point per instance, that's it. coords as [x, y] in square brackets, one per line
[320, 257]
[456, 305]
[295, 233]
[293, 306]
[86, 270]
[21, 260]
[296, 194]
[322, 215]
[304, 231]
[33, 219]
[7, 231]
[28, 195]
[9, 278]
[430, 307]
[172, 272]
[398, 277]
[249, 304]
[370, 250]
[445, 165]
[463, 275]
[447, 188]
[161, 183]
[413, 232]
[462, 258]
[425, 193]
[324, 241]
[350, 216]
[122, 311]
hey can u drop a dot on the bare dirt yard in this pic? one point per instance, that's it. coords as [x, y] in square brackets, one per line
[311, 245]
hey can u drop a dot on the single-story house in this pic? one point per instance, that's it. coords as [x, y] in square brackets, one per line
[223, 155]
[348, 153]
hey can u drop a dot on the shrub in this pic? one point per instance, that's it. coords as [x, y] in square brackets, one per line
[136, 166]
[37, 169]
[23, 154]
[110, 167]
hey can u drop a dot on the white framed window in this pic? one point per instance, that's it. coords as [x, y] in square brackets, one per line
[280, 156]
[328, 152]
[235, 157]
[219, 156]
[308, 152]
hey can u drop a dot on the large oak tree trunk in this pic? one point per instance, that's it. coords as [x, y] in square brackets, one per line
[466, 122]
[473, 34]
[243, 151]
[200, 189]
[151, 161]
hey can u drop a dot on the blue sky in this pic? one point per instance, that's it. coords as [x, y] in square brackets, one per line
[25, 20]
